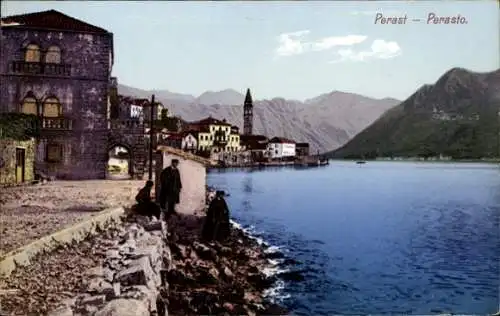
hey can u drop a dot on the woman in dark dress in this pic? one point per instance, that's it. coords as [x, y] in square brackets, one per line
[217, 225]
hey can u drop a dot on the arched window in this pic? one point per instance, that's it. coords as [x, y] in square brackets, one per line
[32, 54]
[52, 107]
[29, 106]
[53, 55]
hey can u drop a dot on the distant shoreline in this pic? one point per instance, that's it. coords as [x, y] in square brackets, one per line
[488, 161]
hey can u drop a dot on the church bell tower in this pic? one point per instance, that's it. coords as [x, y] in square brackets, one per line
[248, 114]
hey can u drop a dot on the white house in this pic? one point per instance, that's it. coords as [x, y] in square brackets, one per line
[189, 142]
[135, 111]
[279, 147]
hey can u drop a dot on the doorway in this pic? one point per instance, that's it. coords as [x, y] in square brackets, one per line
[20, 164]
[119, 163]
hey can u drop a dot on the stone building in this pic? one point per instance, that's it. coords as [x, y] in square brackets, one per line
[59, 68]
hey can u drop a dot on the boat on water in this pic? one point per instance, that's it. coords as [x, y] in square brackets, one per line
[360, 162]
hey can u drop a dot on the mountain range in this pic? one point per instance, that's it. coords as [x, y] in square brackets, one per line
[325, 122]
[458, 117]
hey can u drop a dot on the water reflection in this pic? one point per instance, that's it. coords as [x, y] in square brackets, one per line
[247, 193]
[248, 184]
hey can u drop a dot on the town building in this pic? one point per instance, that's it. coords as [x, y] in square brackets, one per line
[215, 136]
[281, 148]
[189, 141]
[254, 147]
[172, 139]
[59, 68]
[302, 149]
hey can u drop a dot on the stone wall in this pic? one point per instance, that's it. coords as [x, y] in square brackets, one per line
[193, 178]
[131, 279]
[8, 155]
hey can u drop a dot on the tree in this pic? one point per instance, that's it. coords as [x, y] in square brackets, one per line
[164, 114]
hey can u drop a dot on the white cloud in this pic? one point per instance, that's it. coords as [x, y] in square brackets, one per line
[380, 49]
[291, 43]
[294, 43]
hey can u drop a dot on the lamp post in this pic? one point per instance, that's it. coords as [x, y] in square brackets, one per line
[151, 134]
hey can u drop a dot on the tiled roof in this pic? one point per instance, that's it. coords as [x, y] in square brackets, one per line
[211, 121]
[281, 140]
[51, 19]
[260, 138]
[132, 100]
[254, 142]
[174, 136]
[197, 128]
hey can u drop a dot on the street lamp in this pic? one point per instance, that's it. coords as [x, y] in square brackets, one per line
[151, 134]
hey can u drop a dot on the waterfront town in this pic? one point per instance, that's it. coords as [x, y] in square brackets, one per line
[70, 242]
[58, 69]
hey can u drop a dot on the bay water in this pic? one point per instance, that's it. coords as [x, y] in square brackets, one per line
[380, 237]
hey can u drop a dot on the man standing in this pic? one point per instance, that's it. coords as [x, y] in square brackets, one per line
[170, 187]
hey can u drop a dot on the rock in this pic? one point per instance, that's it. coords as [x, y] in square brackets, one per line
[124, 307]
[60, 311]
[139, 273]
[252, 298]
[94, 300]
[142, 293]
[113, 254]
[178, 250]
[260, 281]
[154, 226]
[228, 306]
[228, 274]
[128, 247]
[274, 309]
[204, 252]
[105, 273]
[208, 276]
[203, 302]
[99, 285]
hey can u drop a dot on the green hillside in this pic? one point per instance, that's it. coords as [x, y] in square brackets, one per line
[456, 117]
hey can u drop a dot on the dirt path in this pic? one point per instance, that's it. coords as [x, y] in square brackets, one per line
[30, 212]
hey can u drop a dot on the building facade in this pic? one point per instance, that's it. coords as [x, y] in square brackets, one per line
[254, 148]
[59, 68]
[302, 149]
[189, 141]
[281, 148]
[215, 136]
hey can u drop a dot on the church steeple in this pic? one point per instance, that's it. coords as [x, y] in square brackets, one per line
[248, 114]
[248, 97]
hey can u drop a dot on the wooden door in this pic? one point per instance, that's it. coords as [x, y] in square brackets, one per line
[20, 164]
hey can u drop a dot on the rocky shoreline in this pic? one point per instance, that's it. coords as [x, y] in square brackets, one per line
[216, 278]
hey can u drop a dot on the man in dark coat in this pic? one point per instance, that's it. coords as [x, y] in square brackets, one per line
[217, 225]
[144, 205]
[170, 187]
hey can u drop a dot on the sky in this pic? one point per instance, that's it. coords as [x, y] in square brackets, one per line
[296, 50]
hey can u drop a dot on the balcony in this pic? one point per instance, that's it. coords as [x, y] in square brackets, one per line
[30, 68]
[57, 123]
